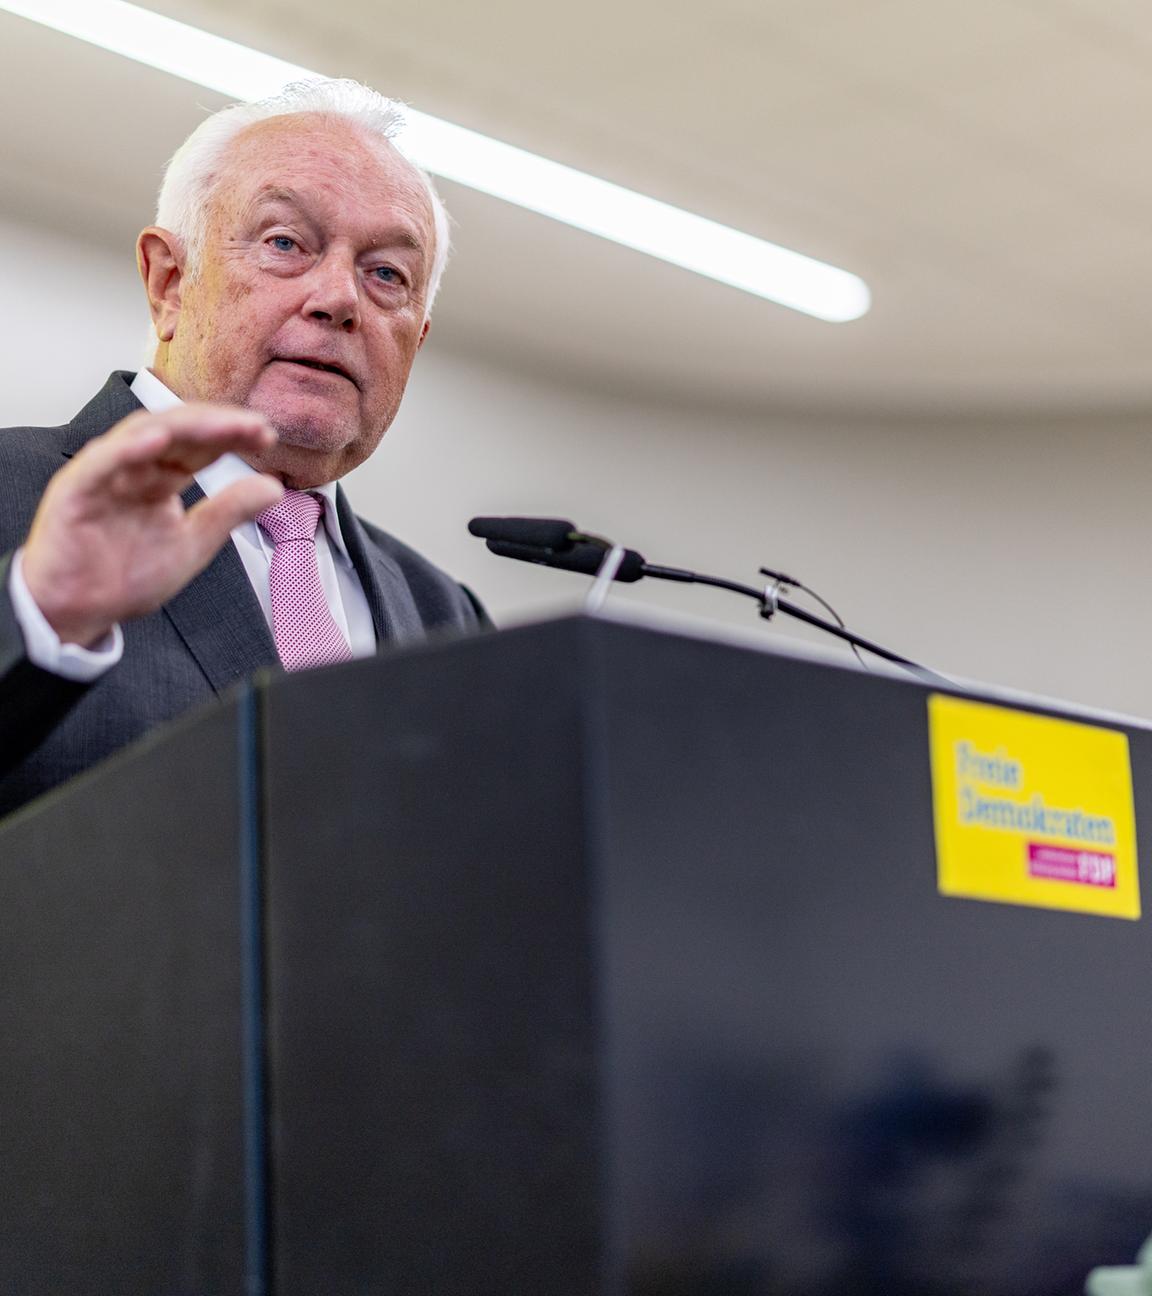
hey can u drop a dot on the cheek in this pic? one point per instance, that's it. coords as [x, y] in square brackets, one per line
[246, 325]
[396, 349]
[236, 294]
[391, 379]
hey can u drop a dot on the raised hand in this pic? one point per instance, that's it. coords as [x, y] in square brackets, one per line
[111, 539]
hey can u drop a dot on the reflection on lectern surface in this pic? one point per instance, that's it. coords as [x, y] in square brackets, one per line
[915, 1183]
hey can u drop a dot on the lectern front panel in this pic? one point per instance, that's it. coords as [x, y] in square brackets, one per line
[432, 1012]
[121, 1149]
[826, 1076]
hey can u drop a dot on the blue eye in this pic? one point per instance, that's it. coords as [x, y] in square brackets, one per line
[282, 243]
[387, 274]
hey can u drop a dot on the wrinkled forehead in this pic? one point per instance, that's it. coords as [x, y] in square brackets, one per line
[332, 158]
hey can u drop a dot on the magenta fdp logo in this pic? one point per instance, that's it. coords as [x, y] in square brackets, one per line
[1067, 864]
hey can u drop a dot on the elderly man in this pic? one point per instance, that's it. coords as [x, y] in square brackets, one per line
[157, 551]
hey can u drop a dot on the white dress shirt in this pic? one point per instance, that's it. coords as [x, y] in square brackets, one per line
[338, 576]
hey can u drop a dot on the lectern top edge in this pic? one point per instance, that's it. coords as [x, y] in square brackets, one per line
[765, 642]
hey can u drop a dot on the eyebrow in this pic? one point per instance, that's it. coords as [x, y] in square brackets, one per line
[406, 239]
[274, 194]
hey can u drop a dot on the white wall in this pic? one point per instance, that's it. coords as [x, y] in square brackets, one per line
[1009, 553]
[1012, 553]
[69, 312]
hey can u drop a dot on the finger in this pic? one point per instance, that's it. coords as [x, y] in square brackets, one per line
[204, 432]
[212, 520]
[178, 441]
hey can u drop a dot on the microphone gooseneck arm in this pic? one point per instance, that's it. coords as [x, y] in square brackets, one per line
[791, 609]
[552, 542]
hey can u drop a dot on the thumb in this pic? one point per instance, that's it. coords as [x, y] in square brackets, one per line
[212, 520]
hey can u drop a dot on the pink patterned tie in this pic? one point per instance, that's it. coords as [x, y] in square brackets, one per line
[306, 635]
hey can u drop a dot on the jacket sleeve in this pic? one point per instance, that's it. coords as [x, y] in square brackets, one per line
[32, 701]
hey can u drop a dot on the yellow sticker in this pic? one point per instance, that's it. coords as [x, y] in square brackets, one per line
[1031, 810]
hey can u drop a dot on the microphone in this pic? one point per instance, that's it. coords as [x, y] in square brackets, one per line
[542, 533]
[583, 557]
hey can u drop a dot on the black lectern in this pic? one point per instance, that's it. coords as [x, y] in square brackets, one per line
[578, 959]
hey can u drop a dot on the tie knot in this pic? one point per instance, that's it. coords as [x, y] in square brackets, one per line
[296, 517]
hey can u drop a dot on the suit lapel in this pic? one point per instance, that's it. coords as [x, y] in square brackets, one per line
[395, 615]
[219, 617]
[113, 402]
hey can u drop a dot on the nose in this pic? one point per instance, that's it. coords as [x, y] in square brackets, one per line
[334, 293]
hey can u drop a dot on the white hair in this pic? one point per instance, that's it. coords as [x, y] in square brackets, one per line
[183, 205]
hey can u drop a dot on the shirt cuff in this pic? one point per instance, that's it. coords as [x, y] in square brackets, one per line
[43, 645]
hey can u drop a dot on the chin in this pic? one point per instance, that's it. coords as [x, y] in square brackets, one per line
[310, 452]
[313, 429]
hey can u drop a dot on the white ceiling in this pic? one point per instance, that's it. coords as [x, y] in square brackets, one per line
[982, 163]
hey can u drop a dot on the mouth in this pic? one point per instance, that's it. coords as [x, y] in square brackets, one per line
[320, 366]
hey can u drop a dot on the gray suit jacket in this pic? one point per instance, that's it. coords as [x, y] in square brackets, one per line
[206, 639]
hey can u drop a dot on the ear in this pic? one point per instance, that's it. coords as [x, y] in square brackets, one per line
[160, 260]
[423, 333]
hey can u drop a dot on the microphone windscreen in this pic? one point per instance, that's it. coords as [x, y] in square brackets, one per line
[589, 558]
[525, 553]
[546, 533]
[584, 558]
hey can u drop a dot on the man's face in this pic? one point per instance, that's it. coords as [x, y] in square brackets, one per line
[308, 301]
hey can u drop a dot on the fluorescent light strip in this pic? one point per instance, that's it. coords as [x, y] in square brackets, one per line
[480, 162]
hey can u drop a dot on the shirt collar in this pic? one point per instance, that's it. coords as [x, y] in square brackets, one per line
[152, 394]
[156, 397]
